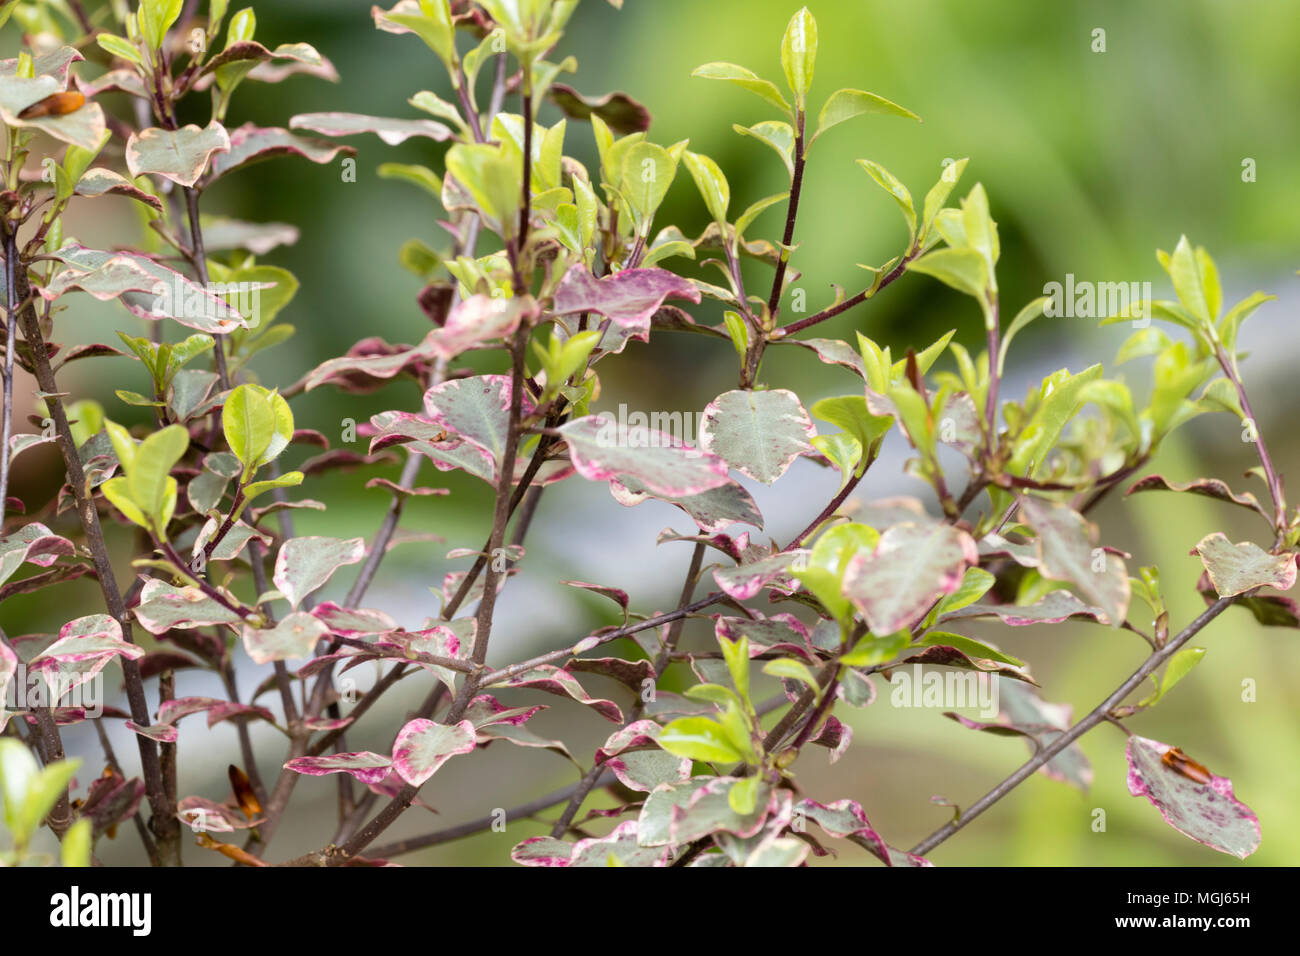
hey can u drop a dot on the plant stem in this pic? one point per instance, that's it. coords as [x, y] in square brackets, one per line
[166, 827]
[1096, 716]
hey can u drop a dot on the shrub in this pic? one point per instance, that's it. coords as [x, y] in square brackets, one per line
[554, 271]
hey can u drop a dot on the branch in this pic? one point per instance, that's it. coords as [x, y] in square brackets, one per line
[1098, 715]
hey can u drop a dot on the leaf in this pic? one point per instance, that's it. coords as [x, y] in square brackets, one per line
[886, 180]
[1237, 568]
[699, 738]
[367, 767]
[101, 182]
[476, 409]
[788, 668]
[1179, 666]
[251, 144]
[77, 843]
[627, 298]
[304, 564]
[35, 543]
[745, 79]
[555, 680]
[845, 819]
[422, 746]
[83, 127]
[639, 769]
[712, 185]
[1206, 812]
[295, 636]
[846, 104]
[620, 112]
[938, 196]
[120, 47]
[149, 473]
[1067, 552]
[1024, 714]
[759, 433]
[912, 567]
[391, 131]
[648, 171]
[1209, 487]
[746, 580]
[963, 269]
[1026, 315]
[1184, 268]
[799, 54]
[180, 155]
[163, 607]
[712, 511]
[249, 421]
[601, 451]
[156, 18]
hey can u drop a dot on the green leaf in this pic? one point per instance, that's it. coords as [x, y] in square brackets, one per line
[965, 269]
[850, 413]
[250, 423]
[1238, 314]
[743, 795]
[799, 54]
[492, 176]
[43, 791]
[846, 104]
[752, 213]
[288, 480]
[823, 573]
[788, 667]
[120, 47]
[699, 738]
[714, 694]
[1179, 666]
[779, 136]
[156, 18]
[896, 189]
[18, 769]
[1184, 268]
[938, 195]
[745, 79]
[149, 475]
[117, 491]
[843, 451]
[872, 650]
[736, 654]
[1026, 315]
[974, 585]
[981, 231]
[421, 176]
[738, 329]
[648, 171]
[712, 185]
[75, 850]
[976, 650]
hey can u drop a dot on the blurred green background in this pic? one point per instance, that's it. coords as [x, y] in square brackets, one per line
[1092, 160]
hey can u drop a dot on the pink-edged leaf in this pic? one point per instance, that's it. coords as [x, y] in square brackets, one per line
[602, 451]
[83, 649]
[913, 566]
[34, 543]
[1052, 608]
[620, 112]
[620, 844]
[633, 674]
[163, 733]
[477, 410]
[422, 746]
[746, 580]
[1023, 713]
[478, 319]
[835, 736]
[708, 811]
[363, 765]
[82, 127]
[492, 720]
[249, 144]
[391, 131]
[835, 352]
[180, 155]
[53, 63]
[259, 238]
[305, 564]
[426, 436]
[393, 488]
[556, 681]
[845, 820]
[627, 298]
[632, 753]
[368, 365]
[1237, 568]
[104, 182]
[352, 622]
[148, 289]
[245, 50]
[759, 433]
[110, 800]
[1209, 487]
[202, 815]
[1067, 551]
[295, 636]
[1206, 812]
[617, 595]
[163, 607]
[712, 511]
[8, 667]
[171, 711]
